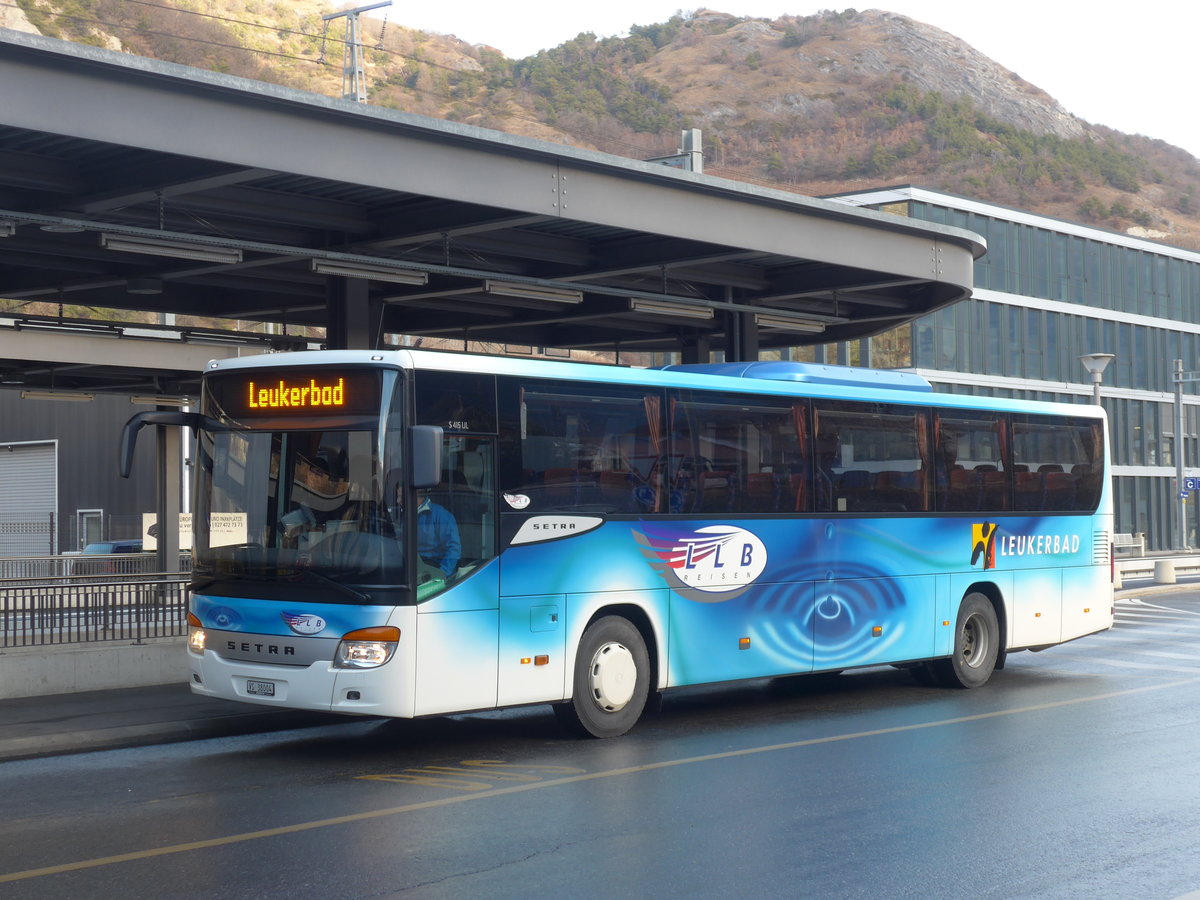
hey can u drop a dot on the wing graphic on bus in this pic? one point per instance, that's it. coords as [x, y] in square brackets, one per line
[709, 565]
[678, 551]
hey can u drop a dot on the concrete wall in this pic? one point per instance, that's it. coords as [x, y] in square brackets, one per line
[65, 669]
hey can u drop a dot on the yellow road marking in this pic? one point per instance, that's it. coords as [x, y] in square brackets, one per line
[556, 782]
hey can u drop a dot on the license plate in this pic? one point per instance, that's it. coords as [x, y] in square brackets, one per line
[260, 688]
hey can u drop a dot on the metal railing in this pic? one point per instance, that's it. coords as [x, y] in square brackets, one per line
[87, 609]
[70, 564]
[1179, 566]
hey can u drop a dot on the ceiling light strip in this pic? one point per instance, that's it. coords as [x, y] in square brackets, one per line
[787, 323]
[531, 291]
[667, 308]
[395, 275]
[58, 395]
[175, 249]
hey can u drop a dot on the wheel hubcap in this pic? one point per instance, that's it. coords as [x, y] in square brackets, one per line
[975, 641]
[612, 677]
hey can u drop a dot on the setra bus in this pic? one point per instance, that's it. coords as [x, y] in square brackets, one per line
[619, 532]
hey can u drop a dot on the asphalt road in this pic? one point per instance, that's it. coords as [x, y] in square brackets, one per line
[1074, 773]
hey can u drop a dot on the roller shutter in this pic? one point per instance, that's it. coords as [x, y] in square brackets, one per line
[29, 500]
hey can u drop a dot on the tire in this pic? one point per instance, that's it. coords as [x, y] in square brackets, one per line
[976, 646]
[611, 680]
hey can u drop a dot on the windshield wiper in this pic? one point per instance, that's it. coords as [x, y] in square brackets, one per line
[343, 589]
[293, 575]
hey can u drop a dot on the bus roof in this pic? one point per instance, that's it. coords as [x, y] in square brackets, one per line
[764, 377]
[810, 373]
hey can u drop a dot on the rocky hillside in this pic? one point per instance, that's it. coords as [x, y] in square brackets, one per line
[815, 104]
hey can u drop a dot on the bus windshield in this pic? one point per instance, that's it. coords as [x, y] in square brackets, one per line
[291, 501]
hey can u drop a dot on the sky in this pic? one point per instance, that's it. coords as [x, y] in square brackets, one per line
[1126, 66]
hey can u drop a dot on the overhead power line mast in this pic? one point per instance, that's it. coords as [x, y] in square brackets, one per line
[354, 83]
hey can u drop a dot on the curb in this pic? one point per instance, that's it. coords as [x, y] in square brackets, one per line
[36, 746]
[1127, 593]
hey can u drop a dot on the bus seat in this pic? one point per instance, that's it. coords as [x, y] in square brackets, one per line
[1029, 488]
[762, 492]
[1060, 490]
[716, 491]
[965, 489]
[994, 493]
[615, 491]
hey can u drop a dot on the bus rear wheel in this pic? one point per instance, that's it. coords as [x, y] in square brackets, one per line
[976, 646]
[611, 680]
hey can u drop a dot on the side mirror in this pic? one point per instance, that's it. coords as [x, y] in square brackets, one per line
[426, 455]
[157, 417]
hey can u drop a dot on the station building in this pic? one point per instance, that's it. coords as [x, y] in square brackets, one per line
[1047, 292]
[59, 468]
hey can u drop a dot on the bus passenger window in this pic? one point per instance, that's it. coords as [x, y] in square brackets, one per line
[580, 452]
[970, 472]
[871, 457]
[1056, 459]
[733, 453]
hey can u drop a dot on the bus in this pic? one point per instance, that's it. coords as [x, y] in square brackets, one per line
[617, 532]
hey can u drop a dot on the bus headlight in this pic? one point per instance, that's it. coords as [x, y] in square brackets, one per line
[196, 635]
[366, 648]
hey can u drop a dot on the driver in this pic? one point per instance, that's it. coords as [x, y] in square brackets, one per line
[438, 542]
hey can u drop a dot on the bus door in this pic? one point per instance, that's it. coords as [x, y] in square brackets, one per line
[458, 581]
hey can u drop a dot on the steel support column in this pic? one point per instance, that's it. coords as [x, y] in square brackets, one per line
[354, 321]
[169, 473]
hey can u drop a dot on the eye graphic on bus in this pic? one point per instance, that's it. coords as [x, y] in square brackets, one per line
[224, 617]
[708, 565]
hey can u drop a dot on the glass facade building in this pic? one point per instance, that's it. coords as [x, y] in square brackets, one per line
[1046, 293]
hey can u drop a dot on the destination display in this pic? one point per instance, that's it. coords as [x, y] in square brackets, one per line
[294, 393]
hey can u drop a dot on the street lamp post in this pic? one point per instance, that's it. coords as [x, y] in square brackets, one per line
[1180, 377]
[1096, 363]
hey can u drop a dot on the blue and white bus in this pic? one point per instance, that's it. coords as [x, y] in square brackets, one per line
[620, 532]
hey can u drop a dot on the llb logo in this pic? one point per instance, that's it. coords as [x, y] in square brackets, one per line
[708, 565]
[303, 623]
[983, 544]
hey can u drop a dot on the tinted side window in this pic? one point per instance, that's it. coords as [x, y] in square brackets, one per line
[588, 448]
[971, 472]
[733, 453]
[457, 401]
[1057, 462]
[870, 457]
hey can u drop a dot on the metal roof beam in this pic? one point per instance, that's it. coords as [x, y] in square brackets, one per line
[166, 188]
[47, 347]
[39, 173]
[454, 223]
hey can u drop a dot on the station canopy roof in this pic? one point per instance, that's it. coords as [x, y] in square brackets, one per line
[131, 184]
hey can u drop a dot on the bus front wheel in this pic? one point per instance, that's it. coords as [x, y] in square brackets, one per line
[976, 645]
[611, 680]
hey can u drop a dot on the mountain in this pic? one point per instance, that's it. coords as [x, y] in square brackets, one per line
[814, 104]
